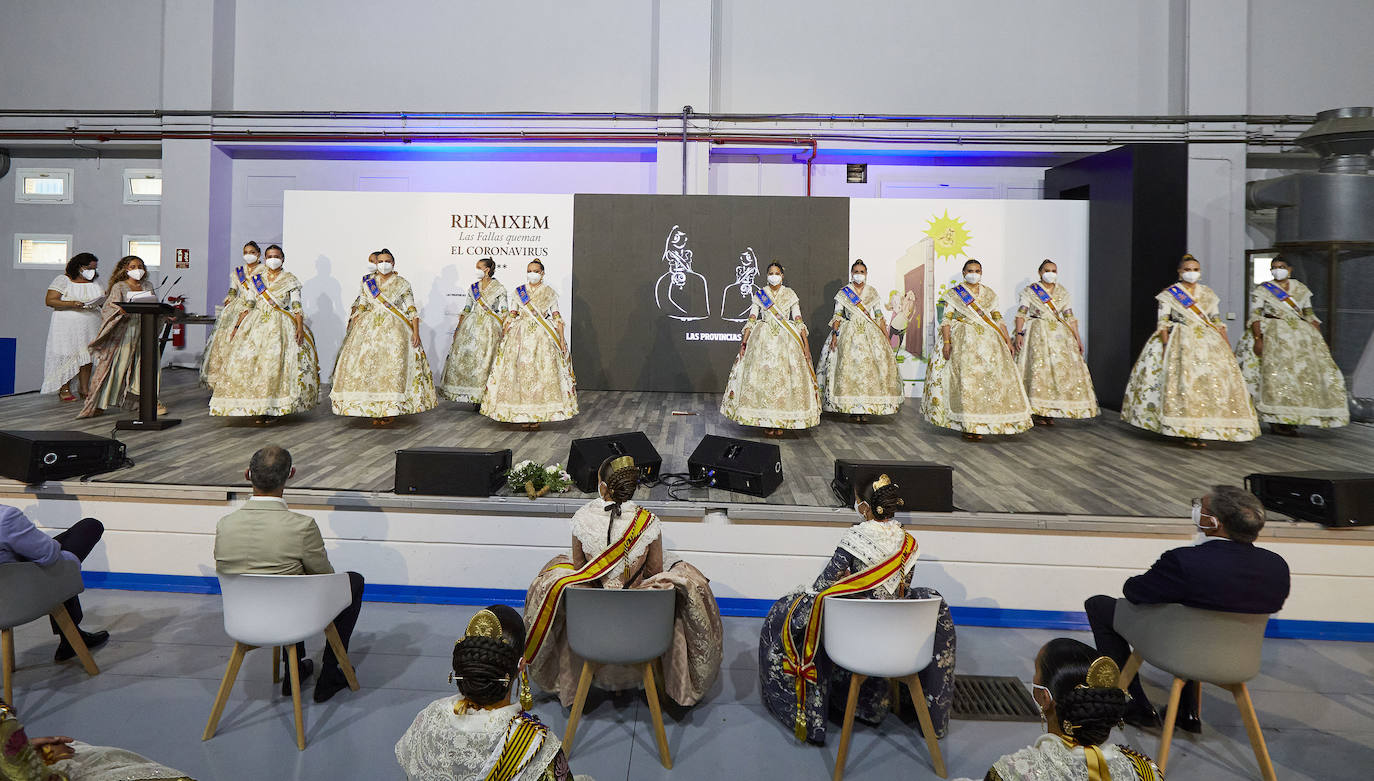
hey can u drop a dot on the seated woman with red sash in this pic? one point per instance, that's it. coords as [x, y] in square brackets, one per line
[618, 544]
[872, 548]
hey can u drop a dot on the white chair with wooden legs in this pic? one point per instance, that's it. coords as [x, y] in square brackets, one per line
[276, 611]
[1190, 644]
[883, 638]
[30, 593]
[619, 626]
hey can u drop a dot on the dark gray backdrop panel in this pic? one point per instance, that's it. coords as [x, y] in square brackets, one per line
[623, 340]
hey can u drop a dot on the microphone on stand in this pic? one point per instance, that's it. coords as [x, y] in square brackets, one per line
[170, 289]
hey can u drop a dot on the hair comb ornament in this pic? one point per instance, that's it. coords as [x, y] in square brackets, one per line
[623, 462]
[883, 481]
[1102, 674]
[485, 624]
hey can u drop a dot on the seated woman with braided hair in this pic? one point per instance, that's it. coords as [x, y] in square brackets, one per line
[1077, 693]
[874, 560]
[479, 733]
[618, 544]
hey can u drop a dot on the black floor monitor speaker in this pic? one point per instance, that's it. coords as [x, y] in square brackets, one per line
[1328, 498]
[585, 456]
[753, 468]
[35, 456]
[924, 486]
[451, 471]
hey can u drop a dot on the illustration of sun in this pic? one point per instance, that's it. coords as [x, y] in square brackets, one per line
[949, 234]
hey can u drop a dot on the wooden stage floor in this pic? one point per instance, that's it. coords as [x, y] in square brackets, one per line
[1101, 467]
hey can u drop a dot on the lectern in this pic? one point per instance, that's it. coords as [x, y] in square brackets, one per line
[148, 359]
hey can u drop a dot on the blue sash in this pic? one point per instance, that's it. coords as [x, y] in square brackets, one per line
[1040, 293]
[964, 295]
[258, 284]
[522, 293]
[763, 297]
[1278, 292]
[373, 288]
[476, 291]
[1182, 297]
[851, 295]
[242, 275]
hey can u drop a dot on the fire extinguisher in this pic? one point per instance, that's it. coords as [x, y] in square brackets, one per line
[178, 326]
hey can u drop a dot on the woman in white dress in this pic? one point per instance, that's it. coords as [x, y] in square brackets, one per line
[240, 296]
[531, 379]
[772, 384]
[479, 733]
[115, 355]
[381, 370]
[1049, 352]
[475, 339]
[1286, 364]
[858, 370]
[74, 299]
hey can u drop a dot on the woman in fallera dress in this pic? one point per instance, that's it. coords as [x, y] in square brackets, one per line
[114, 351]
[476, 338]
[272, 368]
[381, 371]
[59, 758]
[1049, 351]
[633, 536]
[74, 299]
[1286, 364]
[236, 302]
[874, 546]
[1186, 382]
[772, 384]
[858, 370]
[531, 380]
[972, 385]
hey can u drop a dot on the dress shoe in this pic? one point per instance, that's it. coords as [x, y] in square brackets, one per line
[331, 682]
[306, 668]
[93, 641]
[1141, 716]
[1189, 722]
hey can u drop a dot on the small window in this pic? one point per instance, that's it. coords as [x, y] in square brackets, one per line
[43, 185]
[42, 250]
[149, 248]
[143, 185]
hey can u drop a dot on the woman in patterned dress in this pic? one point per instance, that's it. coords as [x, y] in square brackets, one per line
[1049, 353]
[972, 385]
[381, 370]
[236, 302]
[272, 368]
[115, 355]
[1286, 364]
[1186, 383]
[876, 539]
[858, 370]
[475, 339]
[531, 380]
[772, 384]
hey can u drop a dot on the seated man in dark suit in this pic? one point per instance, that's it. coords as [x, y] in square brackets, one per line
[266, 538]
[1222, 570]
[20, 540]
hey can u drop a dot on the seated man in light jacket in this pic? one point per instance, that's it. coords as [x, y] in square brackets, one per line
[265, 538]
[20, 540]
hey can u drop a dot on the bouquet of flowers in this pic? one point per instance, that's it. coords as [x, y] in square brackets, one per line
[535, 479]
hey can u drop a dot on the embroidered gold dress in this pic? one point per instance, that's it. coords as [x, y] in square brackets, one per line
[115, 360]
[267, 372]
[240, 295]
[1192, 387]
[1056, 376]
[1049, 759]
[772, 384]
[20, 761]
[474, 346]
[441, 745]
[691, 663]
[1295, 381]
[531, 380]
[859, 375]
[379, 373]
[978, 390]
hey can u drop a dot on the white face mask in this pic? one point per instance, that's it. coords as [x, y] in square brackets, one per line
[136, 274]
[274, 263]
[1280, 274]
[1200, 530]
[1191, 276]
[481, 273]
[1049, 277]
[88, 273]
[858, 278]
[972, 277]
[250, 258]
[533, 277]
[385, 267]
[371, 267]
[775, 279]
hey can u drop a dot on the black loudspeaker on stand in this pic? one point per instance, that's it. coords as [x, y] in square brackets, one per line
[451, 471]
[1336, 499]
[35, 456]
[923, 486]
[753, 468]
[585, 457]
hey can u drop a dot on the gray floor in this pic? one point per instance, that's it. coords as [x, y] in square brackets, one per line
[1097, 467]
[161, 669]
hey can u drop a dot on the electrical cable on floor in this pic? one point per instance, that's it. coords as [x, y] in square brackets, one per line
[676, 481]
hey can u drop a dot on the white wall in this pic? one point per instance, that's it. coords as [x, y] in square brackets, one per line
[1309, 56]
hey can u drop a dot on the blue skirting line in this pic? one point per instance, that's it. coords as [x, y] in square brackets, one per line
[729, 606]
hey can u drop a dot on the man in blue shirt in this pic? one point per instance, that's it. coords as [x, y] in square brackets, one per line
[20, 540]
